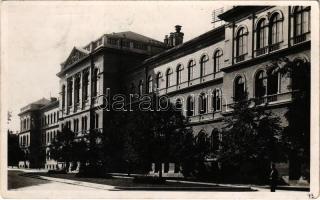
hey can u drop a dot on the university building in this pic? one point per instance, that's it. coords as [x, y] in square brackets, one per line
[205, 74]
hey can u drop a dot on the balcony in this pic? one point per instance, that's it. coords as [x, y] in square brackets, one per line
[268, 99]
[301, 38]
[204, 117]
[262, 51]
[274, 47]
[240, 58]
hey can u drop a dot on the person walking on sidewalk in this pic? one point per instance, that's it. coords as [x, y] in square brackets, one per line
[273, 178]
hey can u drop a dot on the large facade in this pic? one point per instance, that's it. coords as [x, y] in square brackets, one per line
[206, 74]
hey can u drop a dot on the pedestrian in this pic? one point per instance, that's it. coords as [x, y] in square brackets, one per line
[273, 178]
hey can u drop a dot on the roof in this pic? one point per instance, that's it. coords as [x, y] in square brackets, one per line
[239, 11]
[34, 105]
[189, 44]
[133, 36]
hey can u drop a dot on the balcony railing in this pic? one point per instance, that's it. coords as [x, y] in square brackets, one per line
[300, 38]
[262, 51]
[274, 47]
[240, 58]
[266, 99]
[274, 98]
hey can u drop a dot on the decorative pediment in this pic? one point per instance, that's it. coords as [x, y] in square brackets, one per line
[75, 55]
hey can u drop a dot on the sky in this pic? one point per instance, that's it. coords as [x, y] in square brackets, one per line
[39, 36]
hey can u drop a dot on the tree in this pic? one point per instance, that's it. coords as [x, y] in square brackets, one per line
[62, 147]
[297, 134]
[251, 141]
[146, 137]
[15, 154]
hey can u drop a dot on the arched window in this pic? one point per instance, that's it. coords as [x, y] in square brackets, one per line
[63, 94]
[261, 34]
[179, 70]
[158, 79]
[272, 82]
[54, 118]
[150, 88]
[190, 106]
[77, 90]
[301, 20]
[217, 57]
[191, 65]
[203, 65]
[168, 77]
[95, 82]
[51, 118]
[275, 30]
[260, 84]
[215, 140]
[216, 99]
[179, 104]
[85, 85]
[239, 89]
[241, 42]
[140, 87]
[202, 103]
[201, 138]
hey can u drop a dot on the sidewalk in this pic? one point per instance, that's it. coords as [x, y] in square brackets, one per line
[122, 183]
[255, 187]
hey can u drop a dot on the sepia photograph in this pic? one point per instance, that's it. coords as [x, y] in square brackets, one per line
[159, 99]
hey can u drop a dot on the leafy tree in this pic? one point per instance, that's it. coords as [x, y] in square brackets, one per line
[62, 147]
[251, 140]
[15, 154]
[297, 134]
[147, 137]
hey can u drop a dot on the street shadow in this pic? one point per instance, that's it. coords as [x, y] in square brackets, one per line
[19, 179]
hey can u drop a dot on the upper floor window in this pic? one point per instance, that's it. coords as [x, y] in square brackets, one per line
[239, 88]
[169, 77]
[275, 29]
[179, 71]
[216, 100]
[202, 103]
[77, 90]
[266, 83]
[69, 92]
[95, 82]
[261, 34]
[191, 65]
[179, 104]
[63, 94]
[140, 87]
[301, 20]
[272, 82]
[85, 85]
[241, 42]
[217, 57]
[190, 106]
[203, 65]
[150, 89]
[260, 84]
[158, 79]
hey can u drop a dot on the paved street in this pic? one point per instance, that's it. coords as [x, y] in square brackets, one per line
[23, 183]
[50, 187]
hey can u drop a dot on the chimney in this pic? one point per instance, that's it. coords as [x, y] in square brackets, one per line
[178, 36]
[166, 40]
[171, 39]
